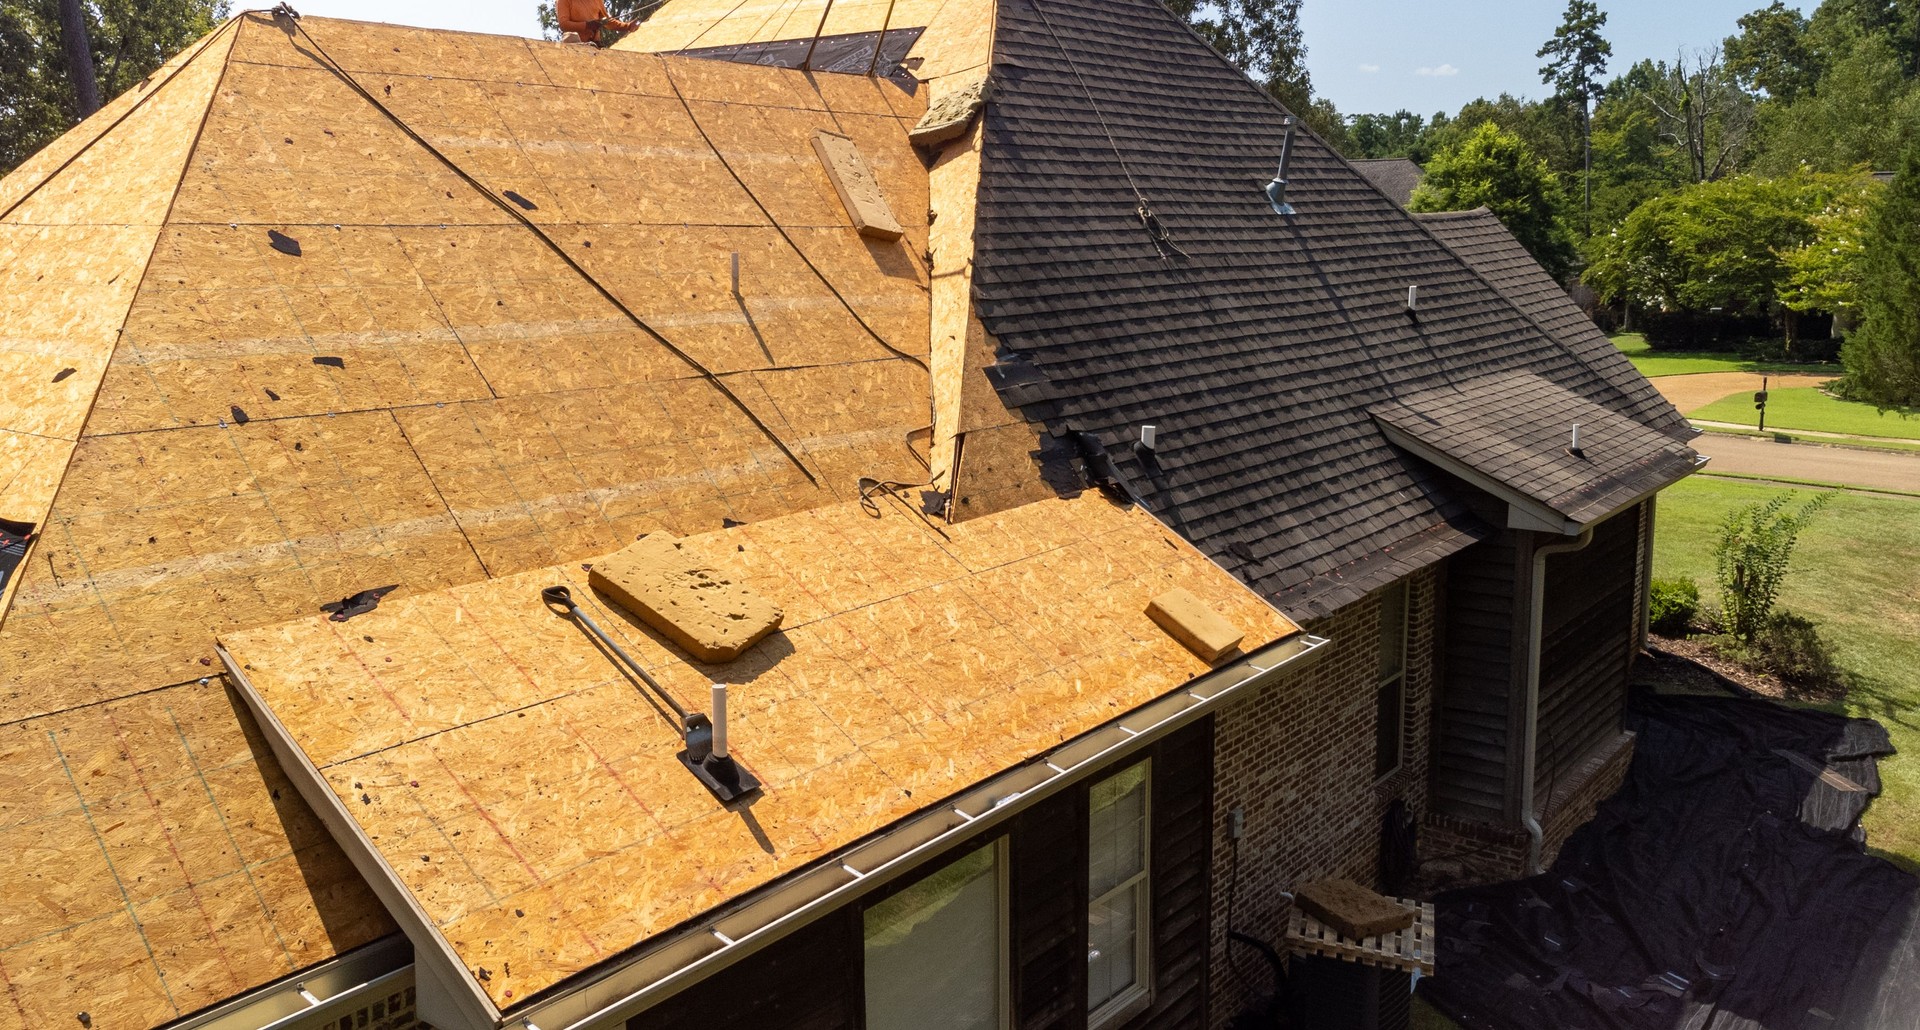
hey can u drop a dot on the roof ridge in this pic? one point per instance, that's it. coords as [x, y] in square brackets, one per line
[124, 115]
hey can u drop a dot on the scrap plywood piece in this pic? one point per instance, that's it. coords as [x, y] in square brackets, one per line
[981, 644]
[1353, 910]
[859, 191]
[1411, 948]
[1197, 627]
[686, 595]
[952, 112]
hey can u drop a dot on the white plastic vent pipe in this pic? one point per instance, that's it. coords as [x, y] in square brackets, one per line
[720, 721]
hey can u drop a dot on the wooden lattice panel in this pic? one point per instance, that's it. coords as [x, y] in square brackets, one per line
[1409, 949]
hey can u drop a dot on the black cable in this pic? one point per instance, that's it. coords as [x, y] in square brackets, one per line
[782, 230]
[513, 211]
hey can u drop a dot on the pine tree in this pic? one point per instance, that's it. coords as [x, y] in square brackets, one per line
[1883, 356]
[1578, 57]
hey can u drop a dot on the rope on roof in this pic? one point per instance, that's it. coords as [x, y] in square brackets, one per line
[1162, 239]
[553, 245]
[782, 230]
[124, 115]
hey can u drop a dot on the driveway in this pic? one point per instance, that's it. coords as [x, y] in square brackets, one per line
[1697, 391]
[1873, 470]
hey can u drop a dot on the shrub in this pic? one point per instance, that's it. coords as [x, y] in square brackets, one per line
[1791, 648]
[1672, 605]
[1684, 330]
[1750, 558]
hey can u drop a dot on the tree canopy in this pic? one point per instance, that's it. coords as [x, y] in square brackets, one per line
[1883, 356]
[1495, 169]
[129, 39]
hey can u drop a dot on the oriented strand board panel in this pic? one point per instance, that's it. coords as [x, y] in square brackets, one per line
[156, 861]
[426, 394]
[685, 24]
[527, 795]
[159, 540]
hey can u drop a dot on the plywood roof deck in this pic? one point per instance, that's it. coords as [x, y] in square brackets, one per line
[429, 394]
[527, 795]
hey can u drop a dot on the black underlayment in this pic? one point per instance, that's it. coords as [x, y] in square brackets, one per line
[1725, 887]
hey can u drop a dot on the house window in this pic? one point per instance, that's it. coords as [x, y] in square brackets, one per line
[1390, 694]
[1119, 908]
[936, 951]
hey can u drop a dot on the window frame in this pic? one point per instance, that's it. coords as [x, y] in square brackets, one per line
[1003, 972]
[1139, 997]
[1397, 680]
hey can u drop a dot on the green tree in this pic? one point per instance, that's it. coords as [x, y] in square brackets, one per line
[1883, 356]
[1774, 53]
[1713, 244]
[1495, 169]
[1864, 110]
[1824, 274]
[1577, 57]
[1400, 134]
[127, 39]
[1261, 38]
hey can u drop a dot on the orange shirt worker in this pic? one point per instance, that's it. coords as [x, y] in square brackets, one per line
[587, 18]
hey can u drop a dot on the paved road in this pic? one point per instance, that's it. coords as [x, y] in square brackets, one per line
[1874, 470]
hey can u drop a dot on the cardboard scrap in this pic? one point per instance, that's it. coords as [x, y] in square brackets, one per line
[697, 605]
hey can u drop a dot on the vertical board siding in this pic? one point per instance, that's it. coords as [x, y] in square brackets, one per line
[1475, 704]
[1587, 642]
[1182, 847]
[806, 981]
[1048, 884]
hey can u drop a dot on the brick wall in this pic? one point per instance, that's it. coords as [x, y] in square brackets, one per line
[1488, 854]
[1297, 759]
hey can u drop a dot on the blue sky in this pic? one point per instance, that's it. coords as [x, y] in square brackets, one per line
[1366, 55]
[1433, 55]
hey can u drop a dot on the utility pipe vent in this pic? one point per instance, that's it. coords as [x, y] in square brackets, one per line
[1574, 447]
[1413, 298]
[1277, 189]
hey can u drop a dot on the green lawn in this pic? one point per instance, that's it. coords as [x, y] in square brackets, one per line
[1654, 364]
[1857, 574]
[1807, 408]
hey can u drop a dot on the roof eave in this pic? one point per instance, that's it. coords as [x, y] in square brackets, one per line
[659, 969]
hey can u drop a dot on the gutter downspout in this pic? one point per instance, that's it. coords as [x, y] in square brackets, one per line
[1536, 617]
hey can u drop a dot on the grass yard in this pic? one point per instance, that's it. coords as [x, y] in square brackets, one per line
[1807, 408]
[1857, 574]
[1654, 364]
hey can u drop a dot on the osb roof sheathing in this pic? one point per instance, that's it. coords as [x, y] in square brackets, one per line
[687, 24]
[429, 394]
[527, 794]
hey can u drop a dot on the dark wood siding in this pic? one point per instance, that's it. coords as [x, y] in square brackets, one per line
[1048, 884]
[1587, 635]
[1475, 708]
[806, 981]
[812, 979]
[1182, 879]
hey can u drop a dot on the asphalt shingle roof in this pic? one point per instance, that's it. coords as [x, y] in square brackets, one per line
[1257, 348]
[1396, 177]
[1485, 244]
[1517, 428]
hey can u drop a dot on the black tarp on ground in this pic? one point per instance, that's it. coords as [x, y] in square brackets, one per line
[1723, 888]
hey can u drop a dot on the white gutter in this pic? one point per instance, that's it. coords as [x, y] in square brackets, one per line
[316, 997]
[667, 966]
[1536, 619]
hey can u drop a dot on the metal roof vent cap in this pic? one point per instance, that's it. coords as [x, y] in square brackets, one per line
[1277, 189]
